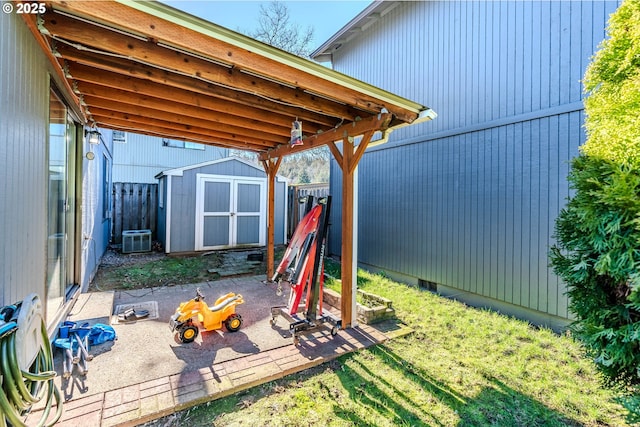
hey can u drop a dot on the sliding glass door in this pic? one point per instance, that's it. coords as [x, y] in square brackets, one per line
[61, 209]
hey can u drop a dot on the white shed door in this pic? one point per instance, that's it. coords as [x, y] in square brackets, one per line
[230, 212]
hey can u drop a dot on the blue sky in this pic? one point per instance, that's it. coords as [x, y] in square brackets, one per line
[326, 17]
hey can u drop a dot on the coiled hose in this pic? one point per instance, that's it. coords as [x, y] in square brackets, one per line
[20, 390]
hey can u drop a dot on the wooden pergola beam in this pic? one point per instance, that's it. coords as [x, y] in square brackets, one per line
[136, 104]
[164, 30]
[359, 150]
[374, 123]
[95, 37]
[198, 94]
[182, 102]
[157, 129]
[176, 129]
[336, 153]
[187, 121]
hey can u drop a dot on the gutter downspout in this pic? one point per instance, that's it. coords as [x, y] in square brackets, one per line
[424, 116]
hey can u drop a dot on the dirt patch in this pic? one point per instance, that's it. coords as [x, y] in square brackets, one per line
[114, 258]
[119, 271]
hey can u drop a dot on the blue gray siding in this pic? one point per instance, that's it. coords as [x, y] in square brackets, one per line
[476, 62]
[142, 157]
[469, 200]
[96, 227]
[24, 114]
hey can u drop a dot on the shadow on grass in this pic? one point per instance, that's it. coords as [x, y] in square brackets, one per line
[496, 404]
[373, 394]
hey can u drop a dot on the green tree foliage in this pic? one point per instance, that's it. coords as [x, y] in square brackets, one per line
[598, 233]
[598, 257]
[613, 83]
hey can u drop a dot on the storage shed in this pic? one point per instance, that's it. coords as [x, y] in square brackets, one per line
[217, 205]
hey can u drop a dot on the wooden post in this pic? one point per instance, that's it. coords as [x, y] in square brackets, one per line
[348, 161]
[271, 168]
[347, 260]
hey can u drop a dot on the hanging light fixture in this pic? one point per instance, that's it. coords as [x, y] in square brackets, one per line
[296, 133]
[93, 136]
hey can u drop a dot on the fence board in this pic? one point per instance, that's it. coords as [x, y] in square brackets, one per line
[116, 227]
[295, 210]
[135, 207]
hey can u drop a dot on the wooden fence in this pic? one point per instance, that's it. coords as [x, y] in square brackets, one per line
[135, 207]
[295, 208]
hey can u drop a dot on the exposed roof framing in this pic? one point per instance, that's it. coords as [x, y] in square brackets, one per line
[148, 68]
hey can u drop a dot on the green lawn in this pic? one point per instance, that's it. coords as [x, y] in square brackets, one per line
[461, 367]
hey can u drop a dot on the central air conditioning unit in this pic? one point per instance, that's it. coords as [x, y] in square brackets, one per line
[136, 241]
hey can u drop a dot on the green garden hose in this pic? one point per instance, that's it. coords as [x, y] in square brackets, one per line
[20, 389]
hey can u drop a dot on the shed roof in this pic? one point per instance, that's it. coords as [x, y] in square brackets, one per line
[146, 67]
[180, 170]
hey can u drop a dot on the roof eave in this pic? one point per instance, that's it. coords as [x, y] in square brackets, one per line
[360, 23]
[194, 23]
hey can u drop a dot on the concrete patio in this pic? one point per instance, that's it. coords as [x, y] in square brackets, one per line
[148, 373]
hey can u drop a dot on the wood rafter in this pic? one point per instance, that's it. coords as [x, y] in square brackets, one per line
[181, 119]
[177, 128]
[138, 22]
[146, 128]
[143, 94]
[83, 66]
[148, 52]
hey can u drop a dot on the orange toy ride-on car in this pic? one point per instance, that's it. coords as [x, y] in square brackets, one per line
[211, 318]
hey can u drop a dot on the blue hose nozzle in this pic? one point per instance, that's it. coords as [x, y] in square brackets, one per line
[7, 328]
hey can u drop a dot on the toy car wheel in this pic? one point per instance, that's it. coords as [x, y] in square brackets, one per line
[188, 334]
[233, 323]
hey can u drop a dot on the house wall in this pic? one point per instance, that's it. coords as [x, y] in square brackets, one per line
[468, 201]
[96, 208]
[24, 114]
[24, 190]
[183, 202]
[142, 157]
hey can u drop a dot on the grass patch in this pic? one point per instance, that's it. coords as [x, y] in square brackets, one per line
[461, 367]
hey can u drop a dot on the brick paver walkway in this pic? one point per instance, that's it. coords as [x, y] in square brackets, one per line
[139, 403]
